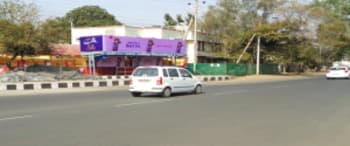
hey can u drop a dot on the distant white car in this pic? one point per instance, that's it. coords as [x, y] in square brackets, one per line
[165, 80]
[338, 72]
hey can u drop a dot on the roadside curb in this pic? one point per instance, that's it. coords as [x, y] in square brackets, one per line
[106, 81]
[115, 81]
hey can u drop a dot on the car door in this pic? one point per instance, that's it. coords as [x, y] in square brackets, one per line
[188, 81]
[175, 80]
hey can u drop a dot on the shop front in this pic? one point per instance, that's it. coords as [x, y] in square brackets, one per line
[114, 55]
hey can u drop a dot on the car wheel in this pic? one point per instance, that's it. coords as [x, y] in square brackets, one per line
[136, 94]
[198, 89]
[166, 92]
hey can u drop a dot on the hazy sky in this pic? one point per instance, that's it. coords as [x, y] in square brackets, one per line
[130, 12]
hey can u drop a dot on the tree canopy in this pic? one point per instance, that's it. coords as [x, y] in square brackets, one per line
[90, 16]
[19, 29]
[308, 34]
[179, 20]
[56, 30]
[16, 11]
[23, 34]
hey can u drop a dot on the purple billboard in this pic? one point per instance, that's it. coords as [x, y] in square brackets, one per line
[91, 44]
[114, 45]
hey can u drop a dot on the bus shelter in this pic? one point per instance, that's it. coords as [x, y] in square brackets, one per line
[112, 54]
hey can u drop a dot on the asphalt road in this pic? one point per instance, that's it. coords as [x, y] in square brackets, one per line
[311, 112]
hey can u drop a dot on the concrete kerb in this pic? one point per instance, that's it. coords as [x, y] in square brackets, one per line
[106, 81]
[207, 78]
[62, 84]
[112, 81]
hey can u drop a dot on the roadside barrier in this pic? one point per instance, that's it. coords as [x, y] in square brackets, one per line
[106, 81]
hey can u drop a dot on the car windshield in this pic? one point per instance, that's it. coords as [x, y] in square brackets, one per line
[148, 72]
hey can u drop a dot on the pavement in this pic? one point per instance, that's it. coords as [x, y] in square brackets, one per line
[294, 111]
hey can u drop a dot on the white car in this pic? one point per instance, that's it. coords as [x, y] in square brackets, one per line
[165, 80]
[338, 72]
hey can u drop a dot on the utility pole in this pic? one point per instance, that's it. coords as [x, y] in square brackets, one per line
[245, 49]
[195, 39]
[258, 57]
[260, 13]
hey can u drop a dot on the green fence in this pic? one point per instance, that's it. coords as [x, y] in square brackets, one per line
[209, 68]
[270, 69]
[233, 69]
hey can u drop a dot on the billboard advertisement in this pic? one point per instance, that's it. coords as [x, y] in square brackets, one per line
[114, 45]
[91, 44]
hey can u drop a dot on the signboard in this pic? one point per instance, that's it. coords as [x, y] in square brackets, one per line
[144, 46]
[132, 46]
[91, 44]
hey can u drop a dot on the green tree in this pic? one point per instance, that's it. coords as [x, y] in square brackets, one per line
[294, 18]
[339, 8]
[288, 40]
[333, 29]
[179, 19]
[56, 30]
[22, 39]
[17, 12]
[230, 22]
[19, 29]
[169, 21]
[90, 16]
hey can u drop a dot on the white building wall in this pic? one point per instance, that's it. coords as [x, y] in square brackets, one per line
[119, 31]
[152, 33]
[133, 32]
[171, 34]
[91, 31]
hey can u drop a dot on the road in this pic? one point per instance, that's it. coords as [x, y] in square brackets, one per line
[310, 112]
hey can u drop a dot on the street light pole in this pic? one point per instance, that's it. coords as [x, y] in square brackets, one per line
[260, 13]
[258, 57]
[195, 39]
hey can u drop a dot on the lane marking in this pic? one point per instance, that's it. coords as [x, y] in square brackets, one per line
[16, 117]
[144, 102]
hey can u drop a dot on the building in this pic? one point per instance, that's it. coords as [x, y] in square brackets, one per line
[206, 51]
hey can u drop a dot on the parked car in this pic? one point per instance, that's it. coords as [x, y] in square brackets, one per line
[165, 80]
[338, 72]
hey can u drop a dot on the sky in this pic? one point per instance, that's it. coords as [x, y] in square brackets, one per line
[129, 12]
